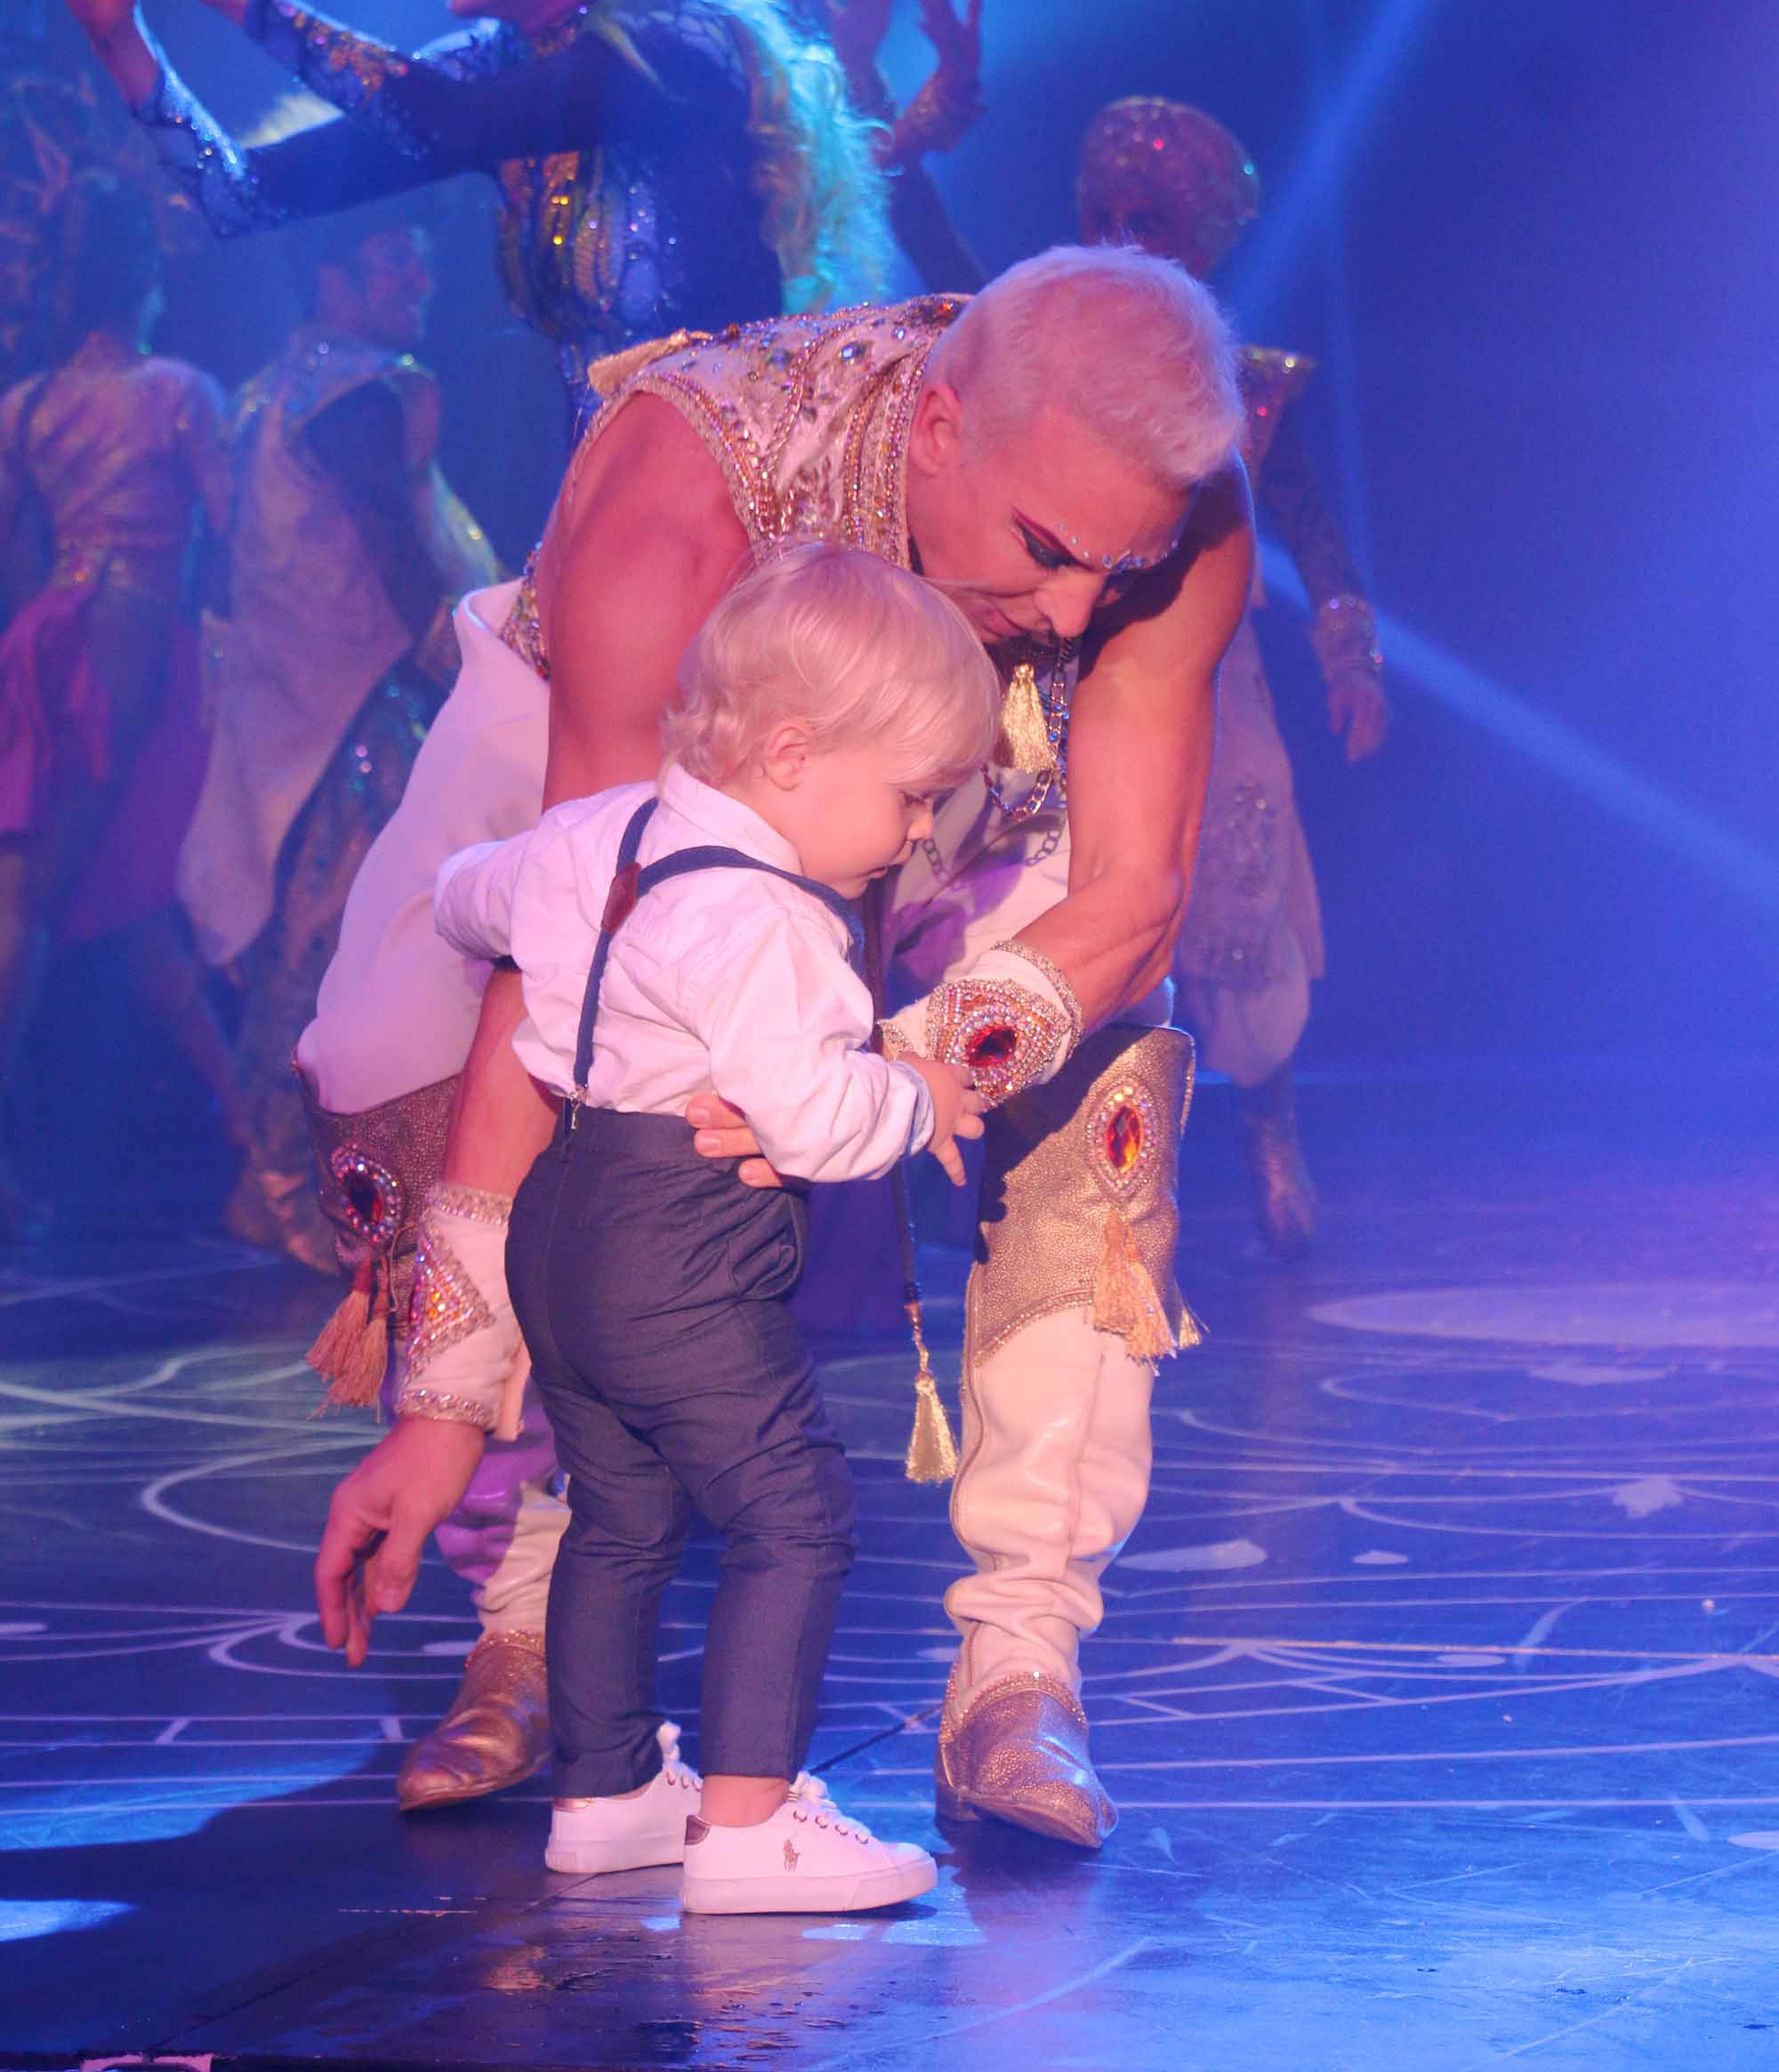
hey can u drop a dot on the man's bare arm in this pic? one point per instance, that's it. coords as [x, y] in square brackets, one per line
[1140, 755]
[643, 543]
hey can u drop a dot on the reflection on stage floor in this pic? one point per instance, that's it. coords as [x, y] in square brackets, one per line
[1436, 1688]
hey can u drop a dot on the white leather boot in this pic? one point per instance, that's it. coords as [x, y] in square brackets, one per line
[1054, 1474]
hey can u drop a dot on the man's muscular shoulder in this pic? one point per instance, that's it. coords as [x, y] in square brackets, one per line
[645, 463]
[642, 543]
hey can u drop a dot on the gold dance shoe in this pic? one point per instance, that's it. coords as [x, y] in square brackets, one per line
[497, 1732]
[1017, 1752]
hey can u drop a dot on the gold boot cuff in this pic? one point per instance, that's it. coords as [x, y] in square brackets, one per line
[1078, 1209]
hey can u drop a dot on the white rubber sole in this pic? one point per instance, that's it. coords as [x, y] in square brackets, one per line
[855, 1893]
[625, 1852]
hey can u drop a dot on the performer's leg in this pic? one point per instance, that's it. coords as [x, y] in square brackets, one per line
[397, 1013]
[1055, 1471]
[503, 1541]
[1054, 1474]
[1071, 1305]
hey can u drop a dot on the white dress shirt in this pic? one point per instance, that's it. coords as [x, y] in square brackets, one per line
[724, 978]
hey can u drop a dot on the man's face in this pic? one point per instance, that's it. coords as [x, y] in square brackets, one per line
[391, 286]
[1034, 536]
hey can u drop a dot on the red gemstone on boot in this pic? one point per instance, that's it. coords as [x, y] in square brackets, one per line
[1124, 1138]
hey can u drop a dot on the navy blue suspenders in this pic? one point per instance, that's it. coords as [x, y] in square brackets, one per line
[633, 881]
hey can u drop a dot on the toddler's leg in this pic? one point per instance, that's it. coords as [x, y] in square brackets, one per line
[754, 1447]
[730, 1403]
[628, 1518]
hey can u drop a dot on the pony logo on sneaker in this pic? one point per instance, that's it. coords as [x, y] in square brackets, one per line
[790, 1856]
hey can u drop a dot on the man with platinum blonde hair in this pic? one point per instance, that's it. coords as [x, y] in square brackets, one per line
[1166, 400]
[1030, 935]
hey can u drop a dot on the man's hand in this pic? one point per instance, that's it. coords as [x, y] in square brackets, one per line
[379, 1522]
[722, 1133]
[957, 1109]
[1358, 709]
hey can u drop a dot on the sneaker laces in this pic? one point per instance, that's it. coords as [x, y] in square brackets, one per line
[813, 1794]
[667, 1736]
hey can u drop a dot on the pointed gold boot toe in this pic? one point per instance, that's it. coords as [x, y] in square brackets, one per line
[1017, 1752]
[495, 1734]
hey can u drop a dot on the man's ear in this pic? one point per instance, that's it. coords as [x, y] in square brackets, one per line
[784, 759]
[936, 432]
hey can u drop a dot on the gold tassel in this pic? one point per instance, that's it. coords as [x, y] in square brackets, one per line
[1124, 1297]
[1025, 743]
[352, 1351]
[932, 1451]
[605, 375]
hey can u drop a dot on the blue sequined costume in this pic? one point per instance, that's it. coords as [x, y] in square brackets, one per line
[627, 211]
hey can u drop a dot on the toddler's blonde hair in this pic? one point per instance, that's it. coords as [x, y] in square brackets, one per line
[858, 649]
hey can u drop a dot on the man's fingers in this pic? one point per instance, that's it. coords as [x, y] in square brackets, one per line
[711, 1110]
[347, 1538]
[358, 1619]
[968, 1125]
[758, 1173]
[392, 1572]
[726, 1144]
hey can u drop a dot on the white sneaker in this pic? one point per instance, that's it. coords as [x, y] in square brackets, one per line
[628, 1834]
[805, 1859]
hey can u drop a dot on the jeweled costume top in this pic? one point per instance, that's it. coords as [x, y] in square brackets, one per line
[627, 210]
[807, 417]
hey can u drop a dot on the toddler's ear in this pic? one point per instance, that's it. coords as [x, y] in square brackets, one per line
[785, 756]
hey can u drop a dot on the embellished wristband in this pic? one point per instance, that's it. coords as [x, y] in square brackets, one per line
[441, 1406]
[1067, 998]
[1007, 1035]
[1344, 634]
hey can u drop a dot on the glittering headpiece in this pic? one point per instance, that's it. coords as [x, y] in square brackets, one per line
[1178, 159]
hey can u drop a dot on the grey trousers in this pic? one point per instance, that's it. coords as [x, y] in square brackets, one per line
[650, 1286]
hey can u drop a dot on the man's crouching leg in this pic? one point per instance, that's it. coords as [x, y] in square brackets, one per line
[440, 1268]
[1070, 1306]
[464, 1360]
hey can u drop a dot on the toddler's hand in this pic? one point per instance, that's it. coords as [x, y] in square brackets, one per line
[957, 1111]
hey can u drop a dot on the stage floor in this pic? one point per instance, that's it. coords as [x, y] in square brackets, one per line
[1436, 1688]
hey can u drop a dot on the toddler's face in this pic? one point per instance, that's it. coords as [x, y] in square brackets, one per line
[853, 817]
